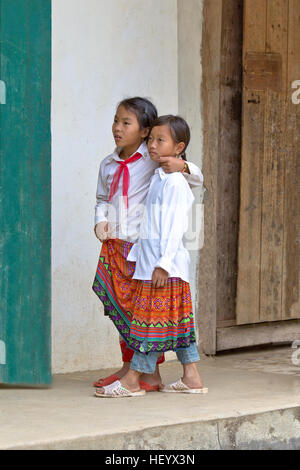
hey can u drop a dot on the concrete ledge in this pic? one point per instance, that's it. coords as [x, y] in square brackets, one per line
[276, 430]
[247, 407]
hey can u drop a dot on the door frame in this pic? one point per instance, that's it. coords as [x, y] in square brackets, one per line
[25, 180]
[222, 122]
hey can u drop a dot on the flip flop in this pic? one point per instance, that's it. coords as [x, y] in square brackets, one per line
[112, 378]
[106, 381]
[116, 390]
[148, 387]
[180, 387]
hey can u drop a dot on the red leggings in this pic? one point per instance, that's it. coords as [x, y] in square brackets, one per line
[127, 353]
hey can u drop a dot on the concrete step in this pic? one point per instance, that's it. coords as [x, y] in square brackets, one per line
[247, 407]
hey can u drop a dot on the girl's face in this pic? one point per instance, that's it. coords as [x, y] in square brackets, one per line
[126, 129]
[162, 144]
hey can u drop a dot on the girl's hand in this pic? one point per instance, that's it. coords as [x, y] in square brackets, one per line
[159, 277]
[101, 231]
[171, 164]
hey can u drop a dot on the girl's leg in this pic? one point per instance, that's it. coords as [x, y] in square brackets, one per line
[188, 358]
[127, 355]
[152, 379]
[140, 364]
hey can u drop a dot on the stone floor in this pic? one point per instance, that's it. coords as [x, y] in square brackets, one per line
[253, 403]
[277, 359]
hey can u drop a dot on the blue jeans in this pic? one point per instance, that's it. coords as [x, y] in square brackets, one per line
[146, 363]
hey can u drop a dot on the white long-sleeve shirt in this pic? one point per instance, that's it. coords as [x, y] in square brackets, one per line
[125, 223]
[163, 225]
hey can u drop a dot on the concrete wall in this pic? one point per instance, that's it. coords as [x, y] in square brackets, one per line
[104, 51]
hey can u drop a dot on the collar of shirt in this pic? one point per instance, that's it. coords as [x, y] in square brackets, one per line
[142, 149]
[161, 172]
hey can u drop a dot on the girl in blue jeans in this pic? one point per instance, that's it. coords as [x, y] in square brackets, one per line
[162, 317]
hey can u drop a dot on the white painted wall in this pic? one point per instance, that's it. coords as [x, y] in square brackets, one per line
[190, 17]
[103, 51]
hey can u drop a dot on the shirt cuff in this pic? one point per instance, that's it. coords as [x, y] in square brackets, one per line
[99, 218]
[195, 170]
[164, 263]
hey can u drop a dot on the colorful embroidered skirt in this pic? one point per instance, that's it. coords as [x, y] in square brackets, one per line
[149, 319]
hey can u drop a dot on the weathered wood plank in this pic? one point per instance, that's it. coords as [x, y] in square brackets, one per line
[249, 250]
[273, 169]
[229, 157]
[261, 333]
[264, 21]
[272, 209]
[211, 62]
[255, 17]
[291, 254]
[277, 32]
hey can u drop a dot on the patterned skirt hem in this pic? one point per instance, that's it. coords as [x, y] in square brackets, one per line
[122, 323]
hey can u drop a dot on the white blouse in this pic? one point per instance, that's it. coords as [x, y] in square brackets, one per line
[125, 223]
[163, 225]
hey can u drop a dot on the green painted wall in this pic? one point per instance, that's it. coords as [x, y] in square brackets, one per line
[25, 191]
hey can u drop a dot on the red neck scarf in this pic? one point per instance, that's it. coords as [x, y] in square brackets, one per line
[126, 178]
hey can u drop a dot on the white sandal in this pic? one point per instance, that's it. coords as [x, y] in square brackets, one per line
[116, 390]
[180, 387]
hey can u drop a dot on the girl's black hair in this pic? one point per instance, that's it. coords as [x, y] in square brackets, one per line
[144, 110]
[179, 129]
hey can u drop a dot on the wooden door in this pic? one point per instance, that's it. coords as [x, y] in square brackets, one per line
[25, 195]
[269, 246]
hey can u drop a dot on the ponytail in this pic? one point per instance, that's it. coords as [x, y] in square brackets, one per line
[183, 156]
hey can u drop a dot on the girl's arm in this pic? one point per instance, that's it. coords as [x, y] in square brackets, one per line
[193, 175]
[177, 201]
[101, 207]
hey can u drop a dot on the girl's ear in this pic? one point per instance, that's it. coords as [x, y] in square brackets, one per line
[180, 148]
[145, 132]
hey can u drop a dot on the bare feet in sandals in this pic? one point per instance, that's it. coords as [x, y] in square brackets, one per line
[191, 377]
[151, 382]
[117, 390]
[148, 382]
[113, 377]
[190, 382]
[128, 386]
